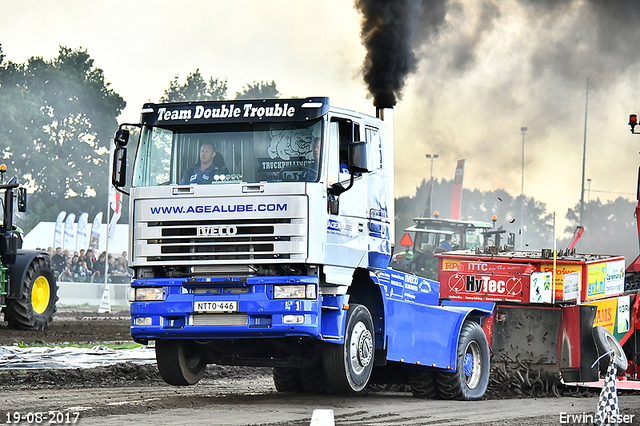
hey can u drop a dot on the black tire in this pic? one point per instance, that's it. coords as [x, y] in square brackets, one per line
[35, 305]
[347, 367]
[287, 379]
[423, 384]
[180, 362]
[605, 341]
[312, 379]
[469, 381]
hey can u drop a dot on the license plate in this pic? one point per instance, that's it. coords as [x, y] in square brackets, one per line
[224, 306]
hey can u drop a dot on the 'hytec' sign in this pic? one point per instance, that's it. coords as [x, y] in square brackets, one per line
[486, 282]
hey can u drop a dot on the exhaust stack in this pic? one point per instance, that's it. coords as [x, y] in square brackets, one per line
[386, 115]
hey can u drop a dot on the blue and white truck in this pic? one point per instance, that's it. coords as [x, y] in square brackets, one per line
[277, 253]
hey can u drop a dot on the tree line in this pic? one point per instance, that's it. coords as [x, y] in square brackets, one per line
[57, 118]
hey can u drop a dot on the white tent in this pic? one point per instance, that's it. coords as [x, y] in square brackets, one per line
[42, 237]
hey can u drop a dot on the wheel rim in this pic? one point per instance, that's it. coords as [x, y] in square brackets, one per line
[361, 348]
[613, 344]
[40, 295]
[472, 365]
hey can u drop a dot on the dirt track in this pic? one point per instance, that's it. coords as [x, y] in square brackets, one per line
[125, 394]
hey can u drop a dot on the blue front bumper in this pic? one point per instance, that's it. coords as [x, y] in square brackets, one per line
[258, 314]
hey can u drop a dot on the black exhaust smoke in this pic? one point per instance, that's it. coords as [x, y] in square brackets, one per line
[391, 30]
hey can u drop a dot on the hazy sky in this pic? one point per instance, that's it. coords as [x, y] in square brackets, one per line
[485, 69]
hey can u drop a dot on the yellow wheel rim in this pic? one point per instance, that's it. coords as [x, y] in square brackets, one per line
[40, 295]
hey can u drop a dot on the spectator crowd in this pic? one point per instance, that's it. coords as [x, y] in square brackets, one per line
[82, 266]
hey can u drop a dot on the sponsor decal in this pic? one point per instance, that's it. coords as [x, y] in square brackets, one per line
[606, 314]
[247, 110]
[222, 208]
[624, 314]
[614, 278]
[570, 286]
[337, 227]
[561, 271]
[596, 280]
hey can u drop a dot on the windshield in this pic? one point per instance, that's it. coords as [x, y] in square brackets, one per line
[246, 152]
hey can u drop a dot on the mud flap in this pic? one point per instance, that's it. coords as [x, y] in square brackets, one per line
[578, 346]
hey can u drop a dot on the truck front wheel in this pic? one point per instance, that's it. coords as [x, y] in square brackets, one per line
[471, 378]
[180, 362]
[348, 367]
[35, 305]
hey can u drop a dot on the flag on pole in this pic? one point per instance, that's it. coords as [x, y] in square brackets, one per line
[70, 232]
[115, 202]
[81, 242]
[456, 200]
[59, 230]
[608, 410]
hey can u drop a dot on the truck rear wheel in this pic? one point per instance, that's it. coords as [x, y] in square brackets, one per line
[423, 384]
[287, 379]
[347, 367]
[35, 305]
[471, 378]
[180, 362]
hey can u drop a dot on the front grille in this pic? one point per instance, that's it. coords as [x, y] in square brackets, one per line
[221, 241]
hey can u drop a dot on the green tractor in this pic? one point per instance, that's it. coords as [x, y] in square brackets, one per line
[28, 290]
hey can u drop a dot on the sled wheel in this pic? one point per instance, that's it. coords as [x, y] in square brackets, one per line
[347, 367]
[605, 341]
[423, 384]
[287, 379]
[471, 378]
[180, 362]
[35, 306]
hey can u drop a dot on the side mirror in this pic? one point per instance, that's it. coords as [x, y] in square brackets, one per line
[22, 199]
[358, 157]
[121, 137]
[119, 172]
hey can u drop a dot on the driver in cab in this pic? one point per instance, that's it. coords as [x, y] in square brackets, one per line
[211, 164]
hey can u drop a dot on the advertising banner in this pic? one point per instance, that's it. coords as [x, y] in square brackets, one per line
[82, 239]
[70, 233]
[95, 232]
[484, 286]
[58, 233]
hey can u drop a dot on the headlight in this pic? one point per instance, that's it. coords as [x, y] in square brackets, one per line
[148, 293]
[294, 291]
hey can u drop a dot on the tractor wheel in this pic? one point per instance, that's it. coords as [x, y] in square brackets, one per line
[36, 304]
[347, 367]
[471, 378]
[287, 379]
[423, 384]
[606, 342]
[180, 362]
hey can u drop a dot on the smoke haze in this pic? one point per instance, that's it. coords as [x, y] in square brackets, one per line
[484, 69]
